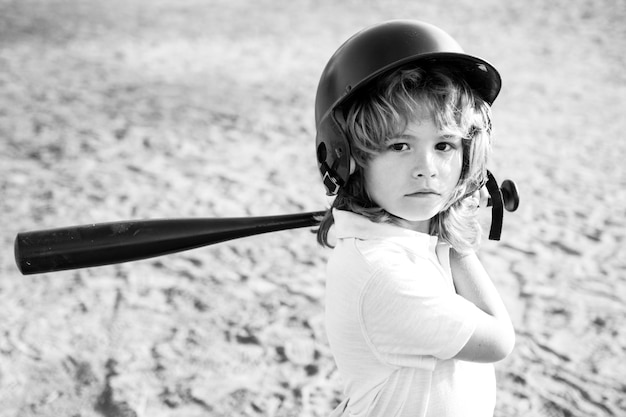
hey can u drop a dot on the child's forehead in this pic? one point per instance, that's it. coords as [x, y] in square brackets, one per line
[417, 108]
[417, 116]
[417, 127]
[424, 116]
[420, 115]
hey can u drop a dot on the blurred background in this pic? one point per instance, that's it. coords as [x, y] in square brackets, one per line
[142, 109]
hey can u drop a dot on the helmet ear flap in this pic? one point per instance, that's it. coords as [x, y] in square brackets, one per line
[333, 153]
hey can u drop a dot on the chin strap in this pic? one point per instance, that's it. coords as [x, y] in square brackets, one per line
[497, 206]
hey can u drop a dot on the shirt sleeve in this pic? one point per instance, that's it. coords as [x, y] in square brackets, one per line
[409, 311]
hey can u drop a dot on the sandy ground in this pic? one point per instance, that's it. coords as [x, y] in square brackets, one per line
[185, 108]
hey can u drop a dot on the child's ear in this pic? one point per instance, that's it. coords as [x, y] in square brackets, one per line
[352, 165]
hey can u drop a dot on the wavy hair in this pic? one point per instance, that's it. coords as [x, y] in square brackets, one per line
[384, 110]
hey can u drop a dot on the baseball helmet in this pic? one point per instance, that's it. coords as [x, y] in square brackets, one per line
[365, 56]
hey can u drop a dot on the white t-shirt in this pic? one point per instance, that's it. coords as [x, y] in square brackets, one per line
[394, 321]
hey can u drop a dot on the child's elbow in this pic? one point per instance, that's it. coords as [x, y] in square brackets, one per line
[506, 345]
[489, 344]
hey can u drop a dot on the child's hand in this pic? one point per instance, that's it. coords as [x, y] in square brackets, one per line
[482, 196]
[478, 198]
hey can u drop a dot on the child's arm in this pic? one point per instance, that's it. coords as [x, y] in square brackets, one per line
[494, 337]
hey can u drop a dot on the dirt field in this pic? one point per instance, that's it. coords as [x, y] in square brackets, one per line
[114, 110]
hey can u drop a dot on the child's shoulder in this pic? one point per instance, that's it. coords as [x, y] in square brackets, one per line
[380, 250]
[379, 266]
[367, 255]
[387, 254]
[396, 269]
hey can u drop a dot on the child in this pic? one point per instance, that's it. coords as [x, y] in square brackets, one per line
[404, 130]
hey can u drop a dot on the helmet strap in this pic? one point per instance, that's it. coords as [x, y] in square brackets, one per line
[330, 178]
[497, 206]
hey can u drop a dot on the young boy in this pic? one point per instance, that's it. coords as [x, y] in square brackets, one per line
[404, 131]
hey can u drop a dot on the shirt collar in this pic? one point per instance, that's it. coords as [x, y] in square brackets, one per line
[352, 225]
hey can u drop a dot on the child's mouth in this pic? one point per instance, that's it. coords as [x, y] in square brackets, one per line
[423, 193]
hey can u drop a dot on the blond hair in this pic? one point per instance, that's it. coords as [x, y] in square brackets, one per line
[383, 111]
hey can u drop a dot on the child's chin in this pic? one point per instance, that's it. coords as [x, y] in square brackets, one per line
[417, 217]
[414, 222]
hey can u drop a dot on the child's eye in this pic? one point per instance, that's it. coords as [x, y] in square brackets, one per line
[445, 146]
[398, 147]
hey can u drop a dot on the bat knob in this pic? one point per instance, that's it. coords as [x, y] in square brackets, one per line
[510, 195]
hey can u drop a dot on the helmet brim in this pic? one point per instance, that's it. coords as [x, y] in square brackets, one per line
[480, 75]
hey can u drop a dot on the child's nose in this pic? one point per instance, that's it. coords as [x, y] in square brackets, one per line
[424, 166]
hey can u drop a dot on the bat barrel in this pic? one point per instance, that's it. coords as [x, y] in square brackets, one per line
[117, 242]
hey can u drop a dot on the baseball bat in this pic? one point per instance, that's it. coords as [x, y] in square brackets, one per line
[116, 242]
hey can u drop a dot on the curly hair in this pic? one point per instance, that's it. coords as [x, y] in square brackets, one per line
[383, 111]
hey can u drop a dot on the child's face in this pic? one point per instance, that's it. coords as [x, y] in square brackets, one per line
[415, 175]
